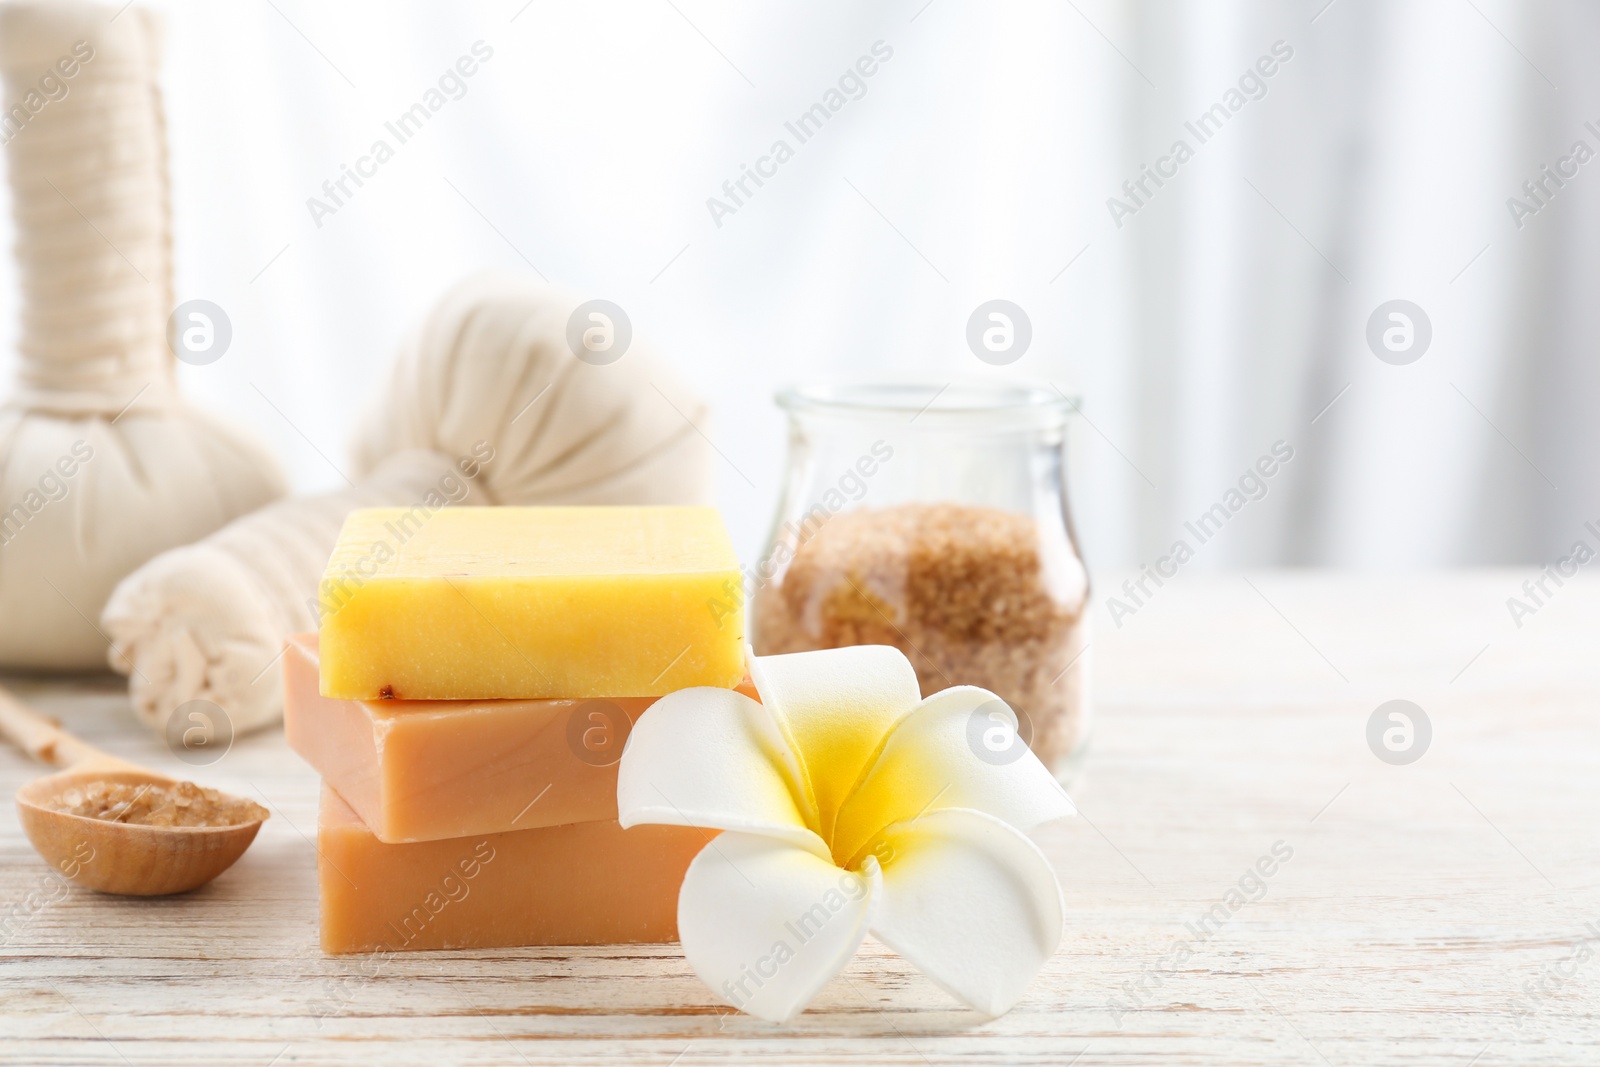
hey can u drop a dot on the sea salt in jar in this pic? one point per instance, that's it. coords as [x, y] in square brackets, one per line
[935, 520]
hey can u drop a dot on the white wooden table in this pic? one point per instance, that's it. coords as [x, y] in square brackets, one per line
[1420, 907]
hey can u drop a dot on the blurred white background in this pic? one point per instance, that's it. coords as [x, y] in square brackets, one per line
[1227, 313]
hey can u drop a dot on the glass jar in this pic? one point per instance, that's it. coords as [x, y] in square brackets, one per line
[935, 520]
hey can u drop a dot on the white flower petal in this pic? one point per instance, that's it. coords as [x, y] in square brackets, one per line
[713, 758]
[836, 706]
[971, 903]
[936, 758]
[765, 925]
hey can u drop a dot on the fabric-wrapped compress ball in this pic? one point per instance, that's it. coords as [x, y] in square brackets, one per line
[102, 464]
[487, 404]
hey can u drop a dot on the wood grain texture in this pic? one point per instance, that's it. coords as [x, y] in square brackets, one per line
[1421, 904]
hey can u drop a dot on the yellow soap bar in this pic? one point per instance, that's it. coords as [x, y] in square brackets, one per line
[516, 603]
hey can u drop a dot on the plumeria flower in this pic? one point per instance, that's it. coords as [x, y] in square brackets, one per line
[847, 803]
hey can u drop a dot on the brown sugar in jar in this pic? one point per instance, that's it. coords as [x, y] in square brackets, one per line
[934, 518]
[972, 594]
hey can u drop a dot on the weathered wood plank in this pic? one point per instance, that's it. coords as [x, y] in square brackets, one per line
[1419, 906]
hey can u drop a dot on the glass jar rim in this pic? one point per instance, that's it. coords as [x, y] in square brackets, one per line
[989, 406]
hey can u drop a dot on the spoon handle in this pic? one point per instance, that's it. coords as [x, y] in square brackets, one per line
[40, 736]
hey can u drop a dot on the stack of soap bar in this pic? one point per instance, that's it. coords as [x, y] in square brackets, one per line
[476, 674]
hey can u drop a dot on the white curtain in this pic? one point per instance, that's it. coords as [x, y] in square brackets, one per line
[1378, 166]
[975, 162]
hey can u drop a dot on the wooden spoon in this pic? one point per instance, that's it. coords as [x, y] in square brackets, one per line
[102, 853]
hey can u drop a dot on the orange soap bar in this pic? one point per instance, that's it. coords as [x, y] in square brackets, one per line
[586, 884]
[420, 770]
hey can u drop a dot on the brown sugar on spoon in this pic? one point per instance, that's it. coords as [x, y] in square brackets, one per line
[150, 804]
[116, 827]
